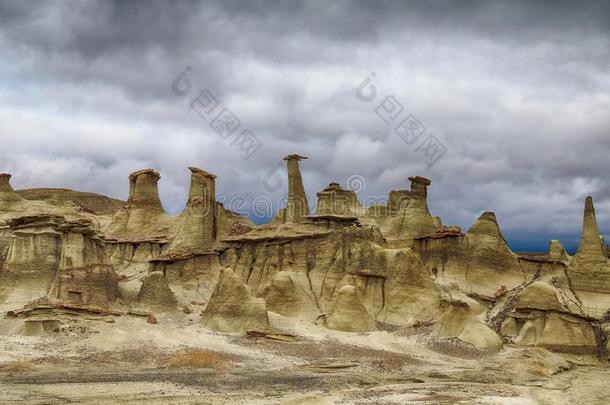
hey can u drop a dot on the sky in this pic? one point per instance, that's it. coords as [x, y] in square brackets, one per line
[503, 105]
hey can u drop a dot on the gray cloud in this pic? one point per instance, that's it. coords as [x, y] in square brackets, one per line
[518, 93]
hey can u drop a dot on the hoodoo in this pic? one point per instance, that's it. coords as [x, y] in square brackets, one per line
[333, 201]
[591, 249]
[195, 228]
[297, 207]
[409, 211]
[383, 268]
[143, 218]
[144, 190]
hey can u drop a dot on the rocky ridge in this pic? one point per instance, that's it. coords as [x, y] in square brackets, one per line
[344, 266]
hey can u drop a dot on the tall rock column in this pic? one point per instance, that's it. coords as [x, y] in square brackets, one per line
[298, 207]
[143, 218]
[409, 211]
[203, 189]
[143, 189]
[196, 226]
[589, 270]
[591, 251]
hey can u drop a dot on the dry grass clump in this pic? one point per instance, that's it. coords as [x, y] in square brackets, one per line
[17, 366]
[197, 358]
[539, 368]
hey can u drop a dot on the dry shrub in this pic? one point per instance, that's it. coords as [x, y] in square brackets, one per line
[17, 366]
[538, 368]
[196, 358]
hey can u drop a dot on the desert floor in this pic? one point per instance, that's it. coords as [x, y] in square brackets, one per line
[128, 360]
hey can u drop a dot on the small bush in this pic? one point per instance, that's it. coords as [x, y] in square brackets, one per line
[196, 358]
[17, 366]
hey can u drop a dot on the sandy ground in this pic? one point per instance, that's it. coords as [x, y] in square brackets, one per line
[127, 360]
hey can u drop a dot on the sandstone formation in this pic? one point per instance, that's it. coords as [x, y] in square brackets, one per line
[156, 294]
[347, 313]
[464, 318]
[195, 228]
[297, 207]
[233, 308]
[96, 204]
[557, 252]
[388, 266]
[286, 295]
[143, 218]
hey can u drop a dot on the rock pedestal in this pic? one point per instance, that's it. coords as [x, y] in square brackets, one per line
[297, 208]
[195, 228]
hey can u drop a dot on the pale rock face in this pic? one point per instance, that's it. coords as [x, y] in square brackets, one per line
[464, 318]
[49, 256]
[589, 270]
[560, 332]
[557, 252]
[409, 213]
[156, 294]
[233, 308]
[7, 194]
[436, 220]
[143, 218]
[335, 201]
[479, 262]
[13, 206]
[35, 246]
[347, 313]
[391, 264]
[84, 275]
[297, 208]
[540, 295]
[195, 228]
[95, 285]
[410, 294]
[287, 296]
[485, 265]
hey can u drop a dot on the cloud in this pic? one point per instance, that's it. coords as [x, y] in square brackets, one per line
[517, 92]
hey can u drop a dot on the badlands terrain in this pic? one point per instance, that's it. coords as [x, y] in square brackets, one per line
[109, 301]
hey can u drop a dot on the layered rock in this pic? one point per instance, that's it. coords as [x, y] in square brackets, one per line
[464, 318]
[388, 264]
[289, 296]
[35, 246]
[557, 252]
[347, 313]
[95, 285]
[195, 228]
[392, 284]
[7, 194]
[334, 201]
[143, 218]
[555, 331]
[84, 275]
[410, 295]
[297, 208]
[479, 262]
[99, 205]
[13, 206]
[589, 270]
[408, 209]
[156, 294]
[233, 308]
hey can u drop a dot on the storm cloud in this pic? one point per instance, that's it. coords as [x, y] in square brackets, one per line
[518, 93]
